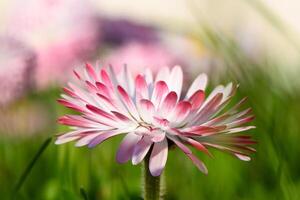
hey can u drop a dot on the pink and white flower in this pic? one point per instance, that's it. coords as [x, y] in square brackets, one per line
[153, 115]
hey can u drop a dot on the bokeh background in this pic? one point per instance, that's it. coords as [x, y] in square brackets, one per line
[255, 43]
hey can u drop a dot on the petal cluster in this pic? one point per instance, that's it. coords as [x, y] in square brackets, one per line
[153, 115]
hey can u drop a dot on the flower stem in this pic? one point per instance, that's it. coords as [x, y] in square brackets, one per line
[153, 186]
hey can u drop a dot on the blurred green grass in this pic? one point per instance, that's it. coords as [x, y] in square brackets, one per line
[273, 172]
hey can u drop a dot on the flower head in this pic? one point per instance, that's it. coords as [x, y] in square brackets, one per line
[153, 114]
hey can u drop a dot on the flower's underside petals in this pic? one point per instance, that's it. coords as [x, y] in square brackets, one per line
[175, 80]
[241, 153]
[241, 121]
[203, 130]
[157, 135]
[102, 137]
[146, 110]
[228, 90]
[199, 84]
[159, 92]
[65, 140]
[86, 139]
[198, 146]
[216, 91]
[67, 137]
[208, 110]
[242, 157]
[158, 157]
[126, 147]
[74, 135]
[140, 150]
[199, 164]
[240, 129]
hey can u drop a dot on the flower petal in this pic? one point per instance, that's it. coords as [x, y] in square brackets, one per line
[86, 139]
[163, 74]
[140, 150]
[102, 137]
[168, 104]
[91, 72]
[127, 146]
[126, 99]
[158, 157]
[199, 84]
[159, 92]
[180, 113]
[197, 99]
[141, 88]
[199, 164]
[175, 80]
[146, 110]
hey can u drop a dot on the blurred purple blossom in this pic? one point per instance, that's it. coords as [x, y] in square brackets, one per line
[120, 31]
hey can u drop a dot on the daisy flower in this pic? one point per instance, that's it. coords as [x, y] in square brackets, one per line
[154, 115]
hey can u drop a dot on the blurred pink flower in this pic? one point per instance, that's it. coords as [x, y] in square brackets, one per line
[17, 65]
[139, 56]
[54, 60]
[62, 32]
[153, 116]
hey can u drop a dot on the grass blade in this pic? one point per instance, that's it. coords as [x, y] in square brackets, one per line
[30, 166]
[83, 194]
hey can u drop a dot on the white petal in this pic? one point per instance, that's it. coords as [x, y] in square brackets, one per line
[163, 74]
[199, 84]
[126, 147]
[140, 150]
[158, 158]
[175, 80]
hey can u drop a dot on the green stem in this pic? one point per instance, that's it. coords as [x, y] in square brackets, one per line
[153, 186]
